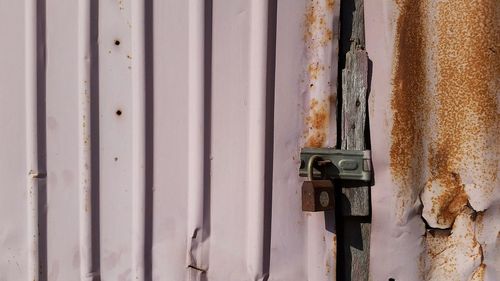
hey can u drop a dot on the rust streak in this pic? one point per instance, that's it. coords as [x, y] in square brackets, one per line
[409, 101]
[453, 128]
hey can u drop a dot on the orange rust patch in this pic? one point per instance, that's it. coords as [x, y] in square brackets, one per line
[409, 101]
[450, 203]
[327, 36]
[478, 274]
[330, 4]
[466, 59]
[317, 122]
[469, 77]
[314, 69]
[317, 29]
[319, 119]
[316, 140]
[310, 20]
[313, 103]
[318, 39]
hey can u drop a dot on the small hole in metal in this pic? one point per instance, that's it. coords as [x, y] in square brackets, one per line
[117, 42]
[118, 112]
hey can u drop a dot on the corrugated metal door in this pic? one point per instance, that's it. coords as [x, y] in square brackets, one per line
[160, 139]
[141, 141]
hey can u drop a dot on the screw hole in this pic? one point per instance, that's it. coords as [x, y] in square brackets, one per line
[118, 112]
[117, 42]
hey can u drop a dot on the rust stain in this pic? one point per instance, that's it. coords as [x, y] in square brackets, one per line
[446, 125]
[319, 118]
[409, 101]
[448, 129]
[319, 92]
[317, 139]
[469, 78]
[310, 20]
[330, 4]
[449, 204]
[314, 70]
[316, 25]
[327, 36]
[313, 104]
[478, 274]
[317, 122]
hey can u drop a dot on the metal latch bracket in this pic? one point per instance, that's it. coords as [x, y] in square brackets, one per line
[329, 163]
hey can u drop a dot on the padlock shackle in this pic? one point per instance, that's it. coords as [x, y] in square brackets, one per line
[310, 166]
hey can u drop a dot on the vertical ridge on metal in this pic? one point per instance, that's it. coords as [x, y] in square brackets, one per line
[32, 155]
[87, 272]
[256, 137]
[138, 139]
[196, 139]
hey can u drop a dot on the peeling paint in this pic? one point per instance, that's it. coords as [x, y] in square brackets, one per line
[454, 254]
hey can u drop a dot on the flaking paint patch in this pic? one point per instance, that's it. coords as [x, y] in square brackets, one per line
[454, 254]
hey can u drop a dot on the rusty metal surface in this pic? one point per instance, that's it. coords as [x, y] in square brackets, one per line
[436, 89]
[319, 84]
[434, 116]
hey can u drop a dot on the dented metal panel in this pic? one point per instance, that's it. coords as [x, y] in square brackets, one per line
[435, 88]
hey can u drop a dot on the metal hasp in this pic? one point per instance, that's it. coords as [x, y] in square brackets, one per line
[352, 165]
[324, 165]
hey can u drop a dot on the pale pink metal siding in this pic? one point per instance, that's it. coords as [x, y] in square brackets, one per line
[160, 139]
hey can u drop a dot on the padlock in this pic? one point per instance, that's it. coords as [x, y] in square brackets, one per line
[317, 196]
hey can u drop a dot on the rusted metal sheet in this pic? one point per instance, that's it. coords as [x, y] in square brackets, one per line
[435, 87]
